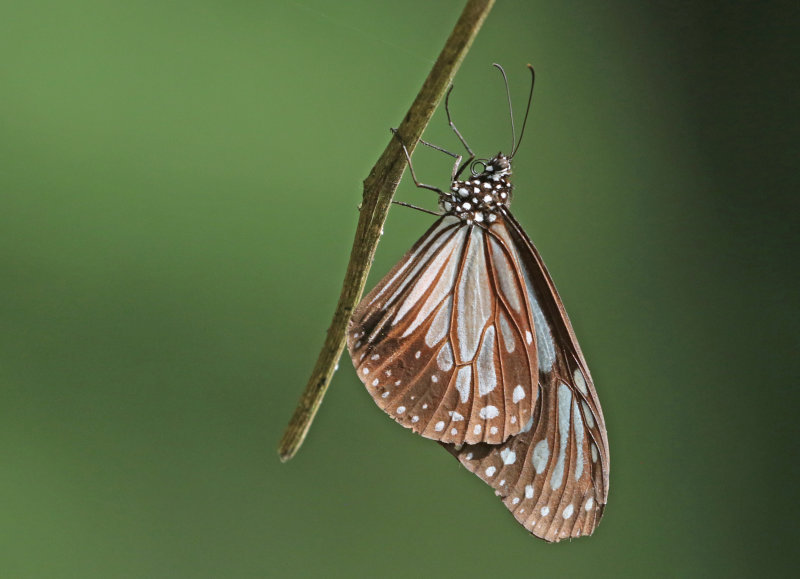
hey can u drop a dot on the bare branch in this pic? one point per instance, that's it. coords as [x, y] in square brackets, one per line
[379, 188]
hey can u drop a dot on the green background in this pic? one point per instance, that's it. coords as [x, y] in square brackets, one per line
[179, 184]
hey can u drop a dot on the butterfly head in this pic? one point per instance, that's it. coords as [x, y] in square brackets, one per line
[478, 199]
[495, 168]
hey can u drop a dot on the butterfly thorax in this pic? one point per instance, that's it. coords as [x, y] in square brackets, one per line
[480, 198]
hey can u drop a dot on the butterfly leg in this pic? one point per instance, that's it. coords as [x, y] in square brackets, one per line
[411, 168]
[417, 208]
[456, 156]
[446, 152]
[457, 170]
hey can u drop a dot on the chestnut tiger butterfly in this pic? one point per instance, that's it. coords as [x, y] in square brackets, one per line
[466, 342]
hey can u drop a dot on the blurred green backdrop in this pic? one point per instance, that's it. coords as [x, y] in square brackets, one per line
[178, 194]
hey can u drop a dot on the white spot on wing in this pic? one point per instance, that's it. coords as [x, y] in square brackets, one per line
[580, 382]
[587, 414]
[488, 412]
[507, 333]
[401, 409]
[474, 300]
[519, 394]
[589, 504]
[487, 378]
[545, 511]
[568, 511]
[577, 424]
[440, 325]
[528, 491]
[528, 425]
[445, 358]
[508, 456]
[546, 349]
[439, 426]
[490, 471]
[464, 382]
[541, 452]
[564, 404]
[505, 275]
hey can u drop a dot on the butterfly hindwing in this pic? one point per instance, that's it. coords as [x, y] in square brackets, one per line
[553, 476]
[569, 364]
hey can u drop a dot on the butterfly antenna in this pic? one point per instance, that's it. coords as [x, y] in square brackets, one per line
[510, 110]
[527, 110]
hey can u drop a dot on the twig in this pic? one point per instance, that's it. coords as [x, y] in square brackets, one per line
[379, 188]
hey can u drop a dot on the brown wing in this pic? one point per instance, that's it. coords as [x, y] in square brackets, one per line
[553, 476]
[445, 342]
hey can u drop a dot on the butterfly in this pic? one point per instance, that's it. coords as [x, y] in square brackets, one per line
[466, 342]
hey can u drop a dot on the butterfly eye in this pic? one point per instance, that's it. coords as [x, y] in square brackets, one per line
[478, 167]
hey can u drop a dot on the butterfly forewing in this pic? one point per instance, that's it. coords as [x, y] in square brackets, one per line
[553, 476]
[445, 342]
